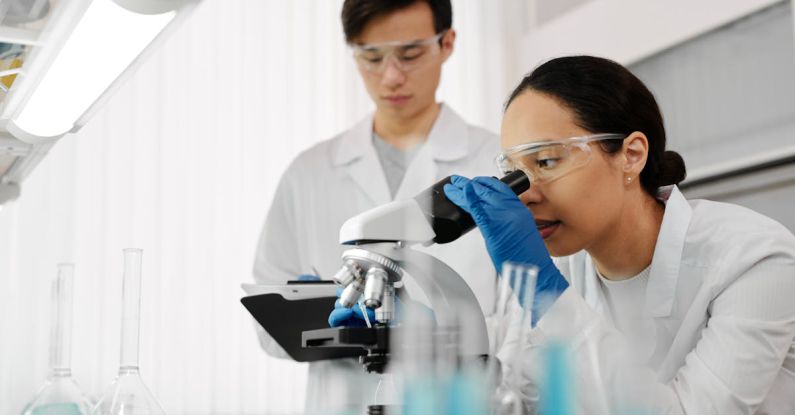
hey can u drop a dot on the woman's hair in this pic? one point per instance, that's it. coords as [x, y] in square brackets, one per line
[605, 97]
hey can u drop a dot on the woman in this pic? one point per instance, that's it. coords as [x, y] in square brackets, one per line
[700, 292]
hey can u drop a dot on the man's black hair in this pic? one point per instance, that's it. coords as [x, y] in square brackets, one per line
[357, 13]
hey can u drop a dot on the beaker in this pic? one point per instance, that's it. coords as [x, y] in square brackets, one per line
[128, 394]
[60, 394]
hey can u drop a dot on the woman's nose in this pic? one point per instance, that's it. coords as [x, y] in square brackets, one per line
[532, 195]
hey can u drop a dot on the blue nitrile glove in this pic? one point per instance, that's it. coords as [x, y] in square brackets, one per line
[308, 277]
[510, 232]
[349, 317]
[353, 317]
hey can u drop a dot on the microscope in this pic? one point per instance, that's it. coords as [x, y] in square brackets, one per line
[382, 241]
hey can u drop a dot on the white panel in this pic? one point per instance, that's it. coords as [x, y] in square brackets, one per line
[726, 96]
[770, 192]
[727, 101]
[548, 10]
[629, 30]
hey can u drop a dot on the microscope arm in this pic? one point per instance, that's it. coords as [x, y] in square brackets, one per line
[449, 295]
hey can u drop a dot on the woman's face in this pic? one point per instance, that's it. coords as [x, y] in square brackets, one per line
[573, 211]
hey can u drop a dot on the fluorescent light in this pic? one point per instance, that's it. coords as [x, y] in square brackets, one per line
[104, 43]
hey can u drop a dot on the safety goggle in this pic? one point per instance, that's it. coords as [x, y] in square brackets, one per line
[373, 57]
[548, 160]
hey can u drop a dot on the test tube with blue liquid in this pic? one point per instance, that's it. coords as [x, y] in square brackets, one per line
[60, 394]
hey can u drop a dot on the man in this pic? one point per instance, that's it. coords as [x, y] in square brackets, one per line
[409, 143]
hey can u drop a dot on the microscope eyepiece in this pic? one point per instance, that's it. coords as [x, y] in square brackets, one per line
[449, 221]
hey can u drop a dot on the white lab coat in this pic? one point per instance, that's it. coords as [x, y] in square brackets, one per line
[719, 316]
[341, 177]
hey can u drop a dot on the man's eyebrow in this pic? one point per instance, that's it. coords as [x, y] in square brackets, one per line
[402, 44]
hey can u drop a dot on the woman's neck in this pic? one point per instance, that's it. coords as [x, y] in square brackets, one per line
[406, 132]
[631, 248]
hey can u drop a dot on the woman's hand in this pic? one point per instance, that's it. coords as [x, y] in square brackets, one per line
[349, 316]
[354, 316]
[510, 232]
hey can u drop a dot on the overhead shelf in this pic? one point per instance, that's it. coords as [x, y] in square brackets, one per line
[21, 25]
[19, 36]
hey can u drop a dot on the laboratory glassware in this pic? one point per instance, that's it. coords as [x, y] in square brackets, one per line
[60, 394]
[513, 316]
[128, 394]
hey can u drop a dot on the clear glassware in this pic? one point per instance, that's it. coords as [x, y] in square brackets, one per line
[414, 362]
[514, 304]
[127, 394]
[60, 394]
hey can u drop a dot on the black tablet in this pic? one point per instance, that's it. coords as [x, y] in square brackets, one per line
[285, 311]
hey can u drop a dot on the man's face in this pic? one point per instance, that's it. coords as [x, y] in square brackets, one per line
[403, 93]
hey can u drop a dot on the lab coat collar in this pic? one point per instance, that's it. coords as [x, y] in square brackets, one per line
[447, 140]
[356, 154]
[668, 252]
[354, 143]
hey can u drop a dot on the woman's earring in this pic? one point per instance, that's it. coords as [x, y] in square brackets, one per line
[629, 180]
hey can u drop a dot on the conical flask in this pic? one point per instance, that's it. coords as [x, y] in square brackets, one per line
[60, 394]
[127, 394]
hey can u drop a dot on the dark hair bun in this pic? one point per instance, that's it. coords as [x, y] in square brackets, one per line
[672, 169]
[606, 97]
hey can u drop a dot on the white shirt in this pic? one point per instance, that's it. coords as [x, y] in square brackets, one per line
[721, 304]
[626, 299]
[341, 177]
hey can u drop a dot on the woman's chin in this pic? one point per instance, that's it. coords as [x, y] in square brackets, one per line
[558, 249]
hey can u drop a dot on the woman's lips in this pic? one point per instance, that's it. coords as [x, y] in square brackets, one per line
[546, 228]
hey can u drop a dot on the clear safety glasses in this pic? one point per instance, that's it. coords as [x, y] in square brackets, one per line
[407, 56]
[548, 160]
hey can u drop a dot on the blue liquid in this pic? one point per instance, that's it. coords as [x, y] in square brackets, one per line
[70, 408]
[556, 397]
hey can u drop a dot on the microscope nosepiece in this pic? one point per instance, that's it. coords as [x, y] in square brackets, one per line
[376, 279]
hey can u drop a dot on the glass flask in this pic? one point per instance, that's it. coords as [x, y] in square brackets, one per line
[60, 394]
[127, 394]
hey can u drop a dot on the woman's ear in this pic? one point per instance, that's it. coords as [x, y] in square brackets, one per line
[635, 152]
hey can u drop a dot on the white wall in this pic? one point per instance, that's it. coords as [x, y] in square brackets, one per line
[182, 162]
[625, 30]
